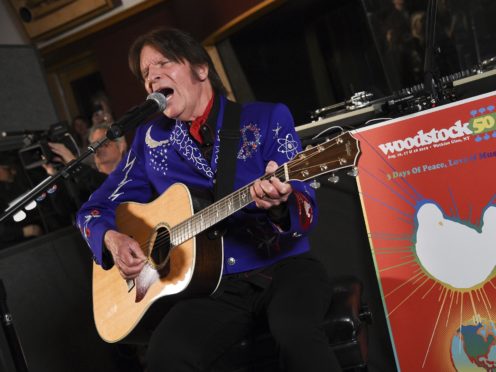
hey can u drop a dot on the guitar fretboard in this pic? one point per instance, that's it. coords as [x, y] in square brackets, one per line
[340, 152]
[218, 211]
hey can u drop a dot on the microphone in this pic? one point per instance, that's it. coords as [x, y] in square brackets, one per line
[155, 102]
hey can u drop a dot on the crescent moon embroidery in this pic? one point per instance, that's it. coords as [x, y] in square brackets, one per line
[151, 142]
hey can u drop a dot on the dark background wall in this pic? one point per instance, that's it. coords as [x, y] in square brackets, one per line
[48, 285]
[25, 101]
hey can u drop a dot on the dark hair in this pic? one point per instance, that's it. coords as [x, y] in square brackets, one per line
[177, 46]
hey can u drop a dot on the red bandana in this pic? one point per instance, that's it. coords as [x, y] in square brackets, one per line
[196, 124]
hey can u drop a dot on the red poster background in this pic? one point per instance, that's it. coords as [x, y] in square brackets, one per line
[424, 313]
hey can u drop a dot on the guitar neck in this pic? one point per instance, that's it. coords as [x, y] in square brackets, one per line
[337, 153]
[219, 210]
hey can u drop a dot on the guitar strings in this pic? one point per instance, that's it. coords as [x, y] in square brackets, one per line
[178, 230]
[184, 229]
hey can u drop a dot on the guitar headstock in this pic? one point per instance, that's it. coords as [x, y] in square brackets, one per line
[337, 153]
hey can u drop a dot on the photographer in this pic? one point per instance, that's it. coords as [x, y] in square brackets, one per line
[110, 154]
[88, 179]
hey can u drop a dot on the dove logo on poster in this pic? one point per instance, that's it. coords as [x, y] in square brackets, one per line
[452, 252]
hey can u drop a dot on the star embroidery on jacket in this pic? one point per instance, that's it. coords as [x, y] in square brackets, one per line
[276, 131]
[158, 153]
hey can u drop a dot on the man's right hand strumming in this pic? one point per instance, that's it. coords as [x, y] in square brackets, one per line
[126, 252]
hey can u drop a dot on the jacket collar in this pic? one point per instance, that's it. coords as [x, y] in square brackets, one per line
[186, 147]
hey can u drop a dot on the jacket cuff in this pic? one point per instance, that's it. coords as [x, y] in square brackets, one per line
[302, 213]
[94, 238]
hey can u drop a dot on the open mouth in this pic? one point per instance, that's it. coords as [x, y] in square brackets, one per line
[166, 92]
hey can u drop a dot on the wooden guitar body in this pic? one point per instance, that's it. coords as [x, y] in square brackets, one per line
[189, 271]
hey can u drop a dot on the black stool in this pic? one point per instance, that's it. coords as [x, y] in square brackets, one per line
[345, 325]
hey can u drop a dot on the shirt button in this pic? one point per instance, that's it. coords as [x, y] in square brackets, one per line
[231, 261]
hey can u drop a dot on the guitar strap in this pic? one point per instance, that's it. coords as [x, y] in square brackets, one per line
[229, 144]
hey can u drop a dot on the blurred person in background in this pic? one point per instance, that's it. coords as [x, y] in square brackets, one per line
[416, 46]
[109, 154]
[80, 128]
[89, 178]
[102, 111]
[106, 157]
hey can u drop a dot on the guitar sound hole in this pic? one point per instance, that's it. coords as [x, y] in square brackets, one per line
[161, 248]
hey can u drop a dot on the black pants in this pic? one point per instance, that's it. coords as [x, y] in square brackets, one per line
[195, 332]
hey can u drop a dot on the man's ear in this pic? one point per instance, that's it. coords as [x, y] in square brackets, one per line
[201, 72]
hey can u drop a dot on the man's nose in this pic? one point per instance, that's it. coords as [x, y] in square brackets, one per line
[153, 73]
[152, 78]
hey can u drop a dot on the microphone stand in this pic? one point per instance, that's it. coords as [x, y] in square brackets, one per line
[71, 168]
[10, 333]
[430, 78]
[155, 102]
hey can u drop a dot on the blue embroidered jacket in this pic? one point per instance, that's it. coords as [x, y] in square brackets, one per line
[163, 153]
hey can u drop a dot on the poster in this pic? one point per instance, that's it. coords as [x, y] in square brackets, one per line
[427, 184]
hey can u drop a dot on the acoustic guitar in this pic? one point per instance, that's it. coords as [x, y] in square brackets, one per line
[184, 257]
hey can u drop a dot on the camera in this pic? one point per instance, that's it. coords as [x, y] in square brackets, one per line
[39, 153]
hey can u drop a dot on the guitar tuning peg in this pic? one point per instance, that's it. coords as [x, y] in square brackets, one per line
[315, 184]
[308, 147]
[333, 178]
[353, 172]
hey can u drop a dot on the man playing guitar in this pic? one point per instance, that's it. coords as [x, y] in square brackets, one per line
[265, 268]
